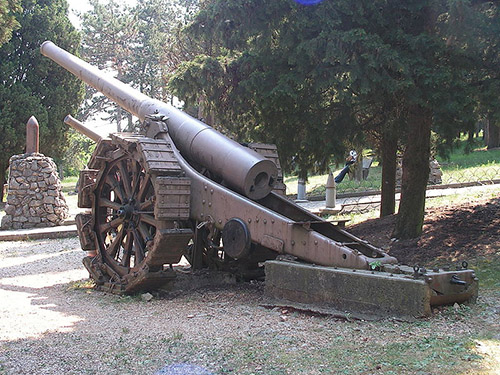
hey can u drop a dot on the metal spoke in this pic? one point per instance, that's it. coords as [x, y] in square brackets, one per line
[139, 247]
[115, 245]
[103, 202]
[115, 186]
[148, 219]
[125, 178]
[146, 183]
[136, 178]
[115, 223]
[146, 206]
[127, 250]
[145, 233]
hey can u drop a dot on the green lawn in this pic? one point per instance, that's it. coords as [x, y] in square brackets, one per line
[479, 165]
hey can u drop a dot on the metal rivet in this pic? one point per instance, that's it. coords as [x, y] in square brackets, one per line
[202, 214]
[209, 204]
[249, 220]
[293, 243]
[206, 187]
[272, 221]
[211, 191]
[265, 221]
[257, 220]
[316, 242]
[203, 201]
[220, 221]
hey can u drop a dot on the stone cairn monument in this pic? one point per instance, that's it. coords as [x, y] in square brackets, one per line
[435, 173]
[34, 197]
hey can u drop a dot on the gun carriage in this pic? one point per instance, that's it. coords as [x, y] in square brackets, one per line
[179, 188]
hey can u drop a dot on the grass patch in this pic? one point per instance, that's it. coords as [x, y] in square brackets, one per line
[69, 184]
[488, 272]
[340, 355]
[82, 285]
[479, 165]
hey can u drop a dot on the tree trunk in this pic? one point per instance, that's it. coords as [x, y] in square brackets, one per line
[410, 218]
[389, 148]
[493, 135]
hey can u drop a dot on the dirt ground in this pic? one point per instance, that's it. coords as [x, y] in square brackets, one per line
[53, 322]
[451, 234]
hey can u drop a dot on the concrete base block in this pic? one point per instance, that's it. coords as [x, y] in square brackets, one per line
[356, 293]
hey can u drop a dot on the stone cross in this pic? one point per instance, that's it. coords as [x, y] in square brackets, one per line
[32, 136]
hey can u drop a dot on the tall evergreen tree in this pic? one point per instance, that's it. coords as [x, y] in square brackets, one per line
[311, 75]
[8, 22]
[140, 44]
[108, 31]
[33, 85]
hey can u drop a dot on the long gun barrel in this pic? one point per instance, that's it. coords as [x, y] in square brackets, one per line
[241, 168]
[81, 128]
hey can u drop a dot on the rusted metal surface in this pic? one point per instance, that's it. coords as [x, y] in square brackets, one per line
[81, 128]
[86, 186]
[32, 136]
[179, 188]
[241, 168]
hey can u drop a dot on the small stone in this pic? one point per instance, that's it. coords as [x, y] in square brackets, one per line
[146, 297]
[9, 209]
[283, 318]
[49, 200]
[52, 179]
[53, 218]
[456, 306]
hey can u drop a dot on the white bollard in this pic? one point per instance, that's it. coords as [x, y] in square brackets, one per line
[301, 190]
[331, 192]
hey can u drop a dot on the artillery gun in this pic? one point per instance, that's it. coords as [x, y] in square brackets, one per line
[179, 188]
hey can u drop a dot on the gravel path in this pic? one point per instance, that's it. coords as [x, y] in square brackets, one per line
[51, 322]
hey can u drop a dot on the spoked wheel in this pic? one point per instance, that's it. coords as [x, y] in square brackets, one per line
[136, 232]
[124, 216]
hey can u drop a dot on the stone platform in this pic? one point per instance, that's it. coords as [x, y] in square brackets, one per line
[61, 231]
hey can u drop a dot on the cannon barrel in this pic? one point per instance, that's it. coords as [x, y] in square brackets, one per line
[242, 169]
[81, 128]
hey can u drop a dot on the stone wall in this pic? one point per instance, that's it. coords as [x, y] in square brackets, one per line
[34, 195]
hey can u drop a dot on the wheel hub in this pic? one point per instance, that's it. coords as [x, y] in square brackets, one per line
[126, 212]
